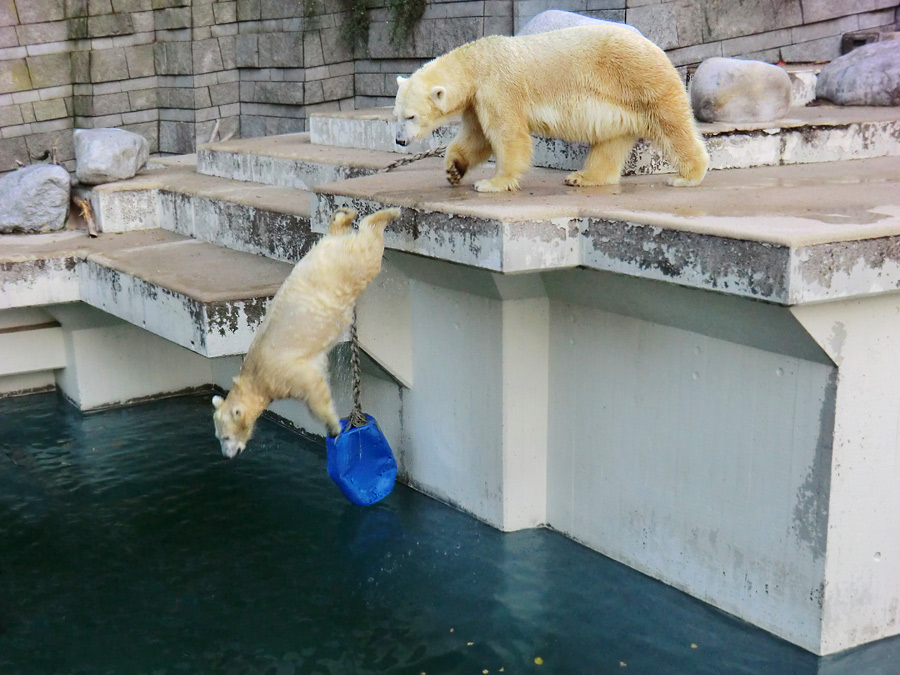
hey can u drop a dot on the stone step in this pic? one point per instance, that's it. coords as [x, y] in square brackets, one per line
[204, 297]
[786, 234]
[807, 135]
[267, 220]
[290, 161]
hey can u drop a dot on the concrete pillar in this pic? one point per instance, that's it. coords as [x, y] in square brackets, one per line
[109, 361]
[475, 419]
[861, 600]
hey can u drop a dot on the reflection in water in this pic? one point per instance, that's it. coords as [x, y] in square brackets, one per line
[129, 545]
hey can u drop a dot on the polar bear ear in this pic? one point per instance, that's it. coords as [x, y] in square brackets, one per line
[401, 80]
[438, 94]
[237, 413]
[217, 402]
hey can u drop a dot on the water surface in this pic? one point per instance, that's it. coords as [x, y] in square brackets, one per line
[128, 544]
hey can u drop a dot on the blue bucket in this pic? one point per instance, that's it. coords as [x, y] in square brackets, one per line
[360, 461]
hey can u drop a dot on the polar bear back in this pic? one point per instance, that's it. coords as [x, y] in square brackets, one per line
[314, 305]
[609, 61]
[585, 83]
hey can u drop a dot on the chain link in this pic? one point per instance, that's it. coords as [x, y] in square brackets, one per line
[356, 418]
[403, 161]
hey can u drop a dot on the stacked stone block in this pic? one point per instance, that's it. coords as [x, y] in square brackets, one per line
[794, 31]
[196, 69]
[291, 65]
[35, 83]
[270, 61]
[111, 65]
[445, 25]
[174, 70]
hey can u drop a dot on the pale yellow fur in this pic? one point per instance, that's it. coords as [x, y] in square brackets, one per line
[602, 85]
[288, 357]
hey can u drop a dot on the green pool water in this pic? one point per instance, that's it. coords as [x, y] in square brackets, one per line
[128, 544]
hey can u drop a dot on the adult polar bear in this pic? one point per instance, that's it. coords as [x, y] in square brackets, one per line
[604, 85]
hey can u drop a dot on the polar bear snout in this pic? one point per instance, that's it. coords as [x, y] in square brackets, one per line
[231, 447]
[401, 141]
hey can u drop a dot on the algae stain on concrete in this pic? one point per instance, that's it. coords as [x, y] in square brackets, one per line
[810, 513]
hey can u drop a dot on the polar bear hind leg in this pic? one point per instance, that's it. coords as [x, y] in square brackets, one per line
[469, 149]
[604, 163]
[310, 384]
[341, 222]
[685, 150]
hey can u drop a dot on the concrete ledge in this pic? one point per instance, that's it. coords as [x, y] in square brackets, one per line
[289, 161]
[261, 219]
[806, 135]
[206, 298]
[784, 234]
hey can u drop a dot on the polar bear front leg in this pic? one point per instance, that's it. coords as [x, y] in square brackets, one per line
[469, 149]
[512, 149]
[604, 163]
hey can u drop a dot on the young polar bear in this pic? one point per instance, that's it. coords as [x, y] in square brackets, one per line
[288, 357]
[602, 85]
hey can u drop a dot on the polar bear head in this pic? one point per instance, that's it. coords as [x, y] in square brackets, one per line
[420, 107]
[233, 426]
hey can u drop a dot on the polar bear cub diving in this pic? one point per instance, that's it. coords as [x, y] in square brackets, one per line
[602, 85]
[288, 357]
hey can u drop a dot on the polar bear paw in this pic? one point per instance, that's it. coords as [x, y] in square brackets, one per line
[495, 185]
[455, 172]
[578, 179]
[678, 181]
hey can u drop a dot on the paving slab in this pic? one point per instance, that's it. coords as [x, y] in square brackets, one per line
[207, 298]
[806, 135]
[204, 297]
[42, 269]
[250, 217]
[290, 160]
[787, 234]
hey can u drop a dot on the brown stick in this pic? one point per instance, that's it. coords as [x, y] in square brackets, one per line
[88, 216]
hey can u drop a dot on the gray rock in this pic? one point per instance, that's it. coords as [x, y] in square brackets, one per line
[554, 19]
[736, 90]
[868, 75]
[106, 155]
[35, 199]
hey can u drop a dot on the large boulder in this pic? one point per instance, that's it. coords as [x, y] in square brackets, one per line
[736, 90]
[35, 199]
[106, 155]
[554, 19]
[868, 75]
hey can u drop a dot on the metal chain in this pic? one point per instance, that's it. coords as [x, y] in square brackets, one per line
[356, 418]
[403, 161]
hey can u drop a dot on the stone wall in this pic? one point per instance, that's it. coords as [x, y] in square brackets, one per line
[173, 69]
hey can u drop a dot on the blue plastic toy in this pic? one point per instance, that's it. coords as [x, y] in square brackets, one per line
[359, 459]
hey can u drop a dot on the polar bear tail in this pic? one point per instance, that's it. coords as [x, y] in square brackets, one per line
[379, 220]
[341, 222]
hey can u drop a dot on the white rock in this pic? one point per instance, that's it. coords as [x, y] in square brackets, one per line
[868, 75]
[736, 90]
[106, 155]
[35, 199]
[554, 19]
